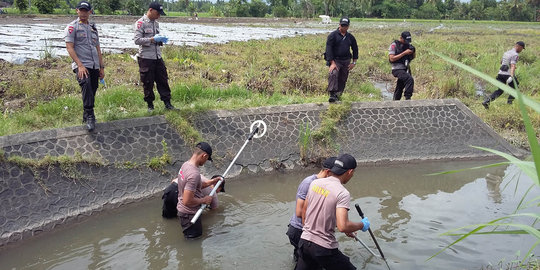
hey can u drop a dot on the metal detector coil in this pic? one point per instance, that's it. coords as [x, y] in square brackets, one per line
[257, 130]
[261, 125]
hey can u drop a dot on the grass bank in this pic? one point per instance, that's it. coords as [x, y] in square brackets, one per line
[43, 94]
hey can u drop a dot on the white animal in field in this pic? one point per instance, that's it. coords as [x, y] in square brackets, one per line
[325, 19]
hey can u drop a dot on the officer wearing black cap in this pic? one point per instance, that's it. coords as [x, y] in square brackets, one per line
[506, 73]
[400, 55]
[326, 208]
[82, 43]
[338, 57]
[151, 66]
[190, 190]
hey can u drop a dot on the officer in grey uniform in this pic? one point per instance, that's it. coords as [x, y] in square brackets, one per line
[82, 43]
[151, 66]
[400, 54]
[506, 73]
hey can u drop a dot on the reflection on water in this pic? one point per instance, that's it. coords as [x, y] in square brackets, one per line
[407, 209]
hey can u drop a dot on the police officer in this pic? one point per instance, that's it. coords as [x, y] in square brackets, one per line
[400, 55]
[151, 66]
[338, 56]
[506, 73]
[82, 43]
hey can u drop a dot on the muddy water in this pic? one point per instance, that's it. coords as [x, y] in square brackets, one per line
[407, 209]
[19, 42]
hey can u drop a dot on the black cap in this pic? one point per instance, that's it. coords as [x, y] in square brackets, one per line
[344, 163]
[329, 163]
[157, 6]
[521, 43]
[84, 5]
[206, 148]
[406, 35]
[344, 21]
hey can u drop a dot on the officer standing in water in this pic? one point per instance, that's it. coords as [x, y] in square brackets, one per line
[82, 44]
[151, 65]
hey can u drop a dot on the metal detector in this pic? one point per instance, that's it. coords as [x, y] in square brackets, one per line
[372, 236]
[257, 130]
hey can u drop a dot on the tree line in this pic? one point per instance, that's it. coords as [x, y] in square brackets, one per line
[503, 10]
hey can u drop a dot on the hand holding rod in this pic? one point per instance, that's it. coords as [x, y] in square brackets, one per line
[203, 206]
[370, 232]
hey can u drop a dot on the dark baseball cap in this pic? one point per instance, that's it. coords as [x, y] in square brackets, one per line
[343, 163]
[329, 163]
[84, 5]
[406, 35]
[157, 6]
[344, 21]
[521, 43]
[206, 148]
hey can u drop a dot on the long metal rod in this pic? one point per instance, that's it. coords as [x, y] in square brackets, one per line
[372, 236]
[203, 206]
[369, 249]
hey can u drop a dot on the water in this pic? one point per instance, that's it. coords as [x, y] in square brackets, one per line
[19, 42]
[408, 212]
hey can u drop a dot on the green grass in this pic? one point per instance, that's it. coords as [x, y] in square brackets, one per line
[44, 94]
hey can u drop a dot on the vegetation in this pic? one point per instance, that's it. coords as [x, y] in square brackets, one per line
[525, 218]
[509, 10]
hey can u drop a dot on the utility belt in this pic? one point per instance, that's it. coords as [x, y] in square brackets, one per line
[504, 68]
[342, 58]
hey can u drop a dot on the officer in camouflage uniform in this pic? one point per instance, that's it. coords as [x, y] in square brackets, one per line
[82, 43]
[506, 73]
[151, 66]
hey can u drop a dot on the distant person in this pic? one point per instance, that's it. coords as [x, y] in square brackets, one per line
[338, 57]
[170, 197]
[507, 72]
[400, 55]
[151, 65]
[190, 186]
[295, 225]
[82, 44]
[326, 206]
[196, 16]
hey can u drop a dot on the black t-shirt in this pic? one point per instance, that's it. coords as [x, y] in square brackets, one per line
[338, 46]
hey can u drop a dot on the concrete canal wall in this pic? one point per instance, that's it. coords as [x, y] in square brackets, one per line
[37, 199]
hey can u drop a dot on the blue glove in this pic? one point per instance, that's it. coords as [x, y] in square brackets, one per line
[366, 224]
[102, 81]
[161, 38]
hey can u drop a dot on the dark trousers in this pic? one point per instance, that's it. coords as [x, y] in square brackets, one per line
[338, 77]
[190, 231]
[313, 256]
[499, 92]
[294, 237]
[89, 86]
[405, 81]
[154, 70]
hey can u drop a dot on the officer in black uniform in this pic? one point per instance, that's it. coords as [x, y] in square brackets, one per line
[400, 55]
[338, 57]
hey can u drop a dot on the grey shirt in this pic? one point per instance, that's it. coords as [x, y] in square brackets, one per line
[392, 50]
[85, 40]
[145, 29]
[509, 58]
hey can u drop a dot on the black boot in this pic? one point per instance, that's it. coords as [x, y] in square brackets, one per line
[90, 123]
[168, 105]
[150, 106]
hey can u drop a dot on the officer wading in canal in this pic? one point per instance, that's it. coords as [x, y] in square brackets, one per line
[151, 66]
[507, 72]
[338, 57]
[400, 55]
[82, 43]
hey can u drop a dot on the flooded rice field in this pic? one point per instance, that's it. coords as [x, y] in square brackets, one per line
[19, 42]
[407, 209]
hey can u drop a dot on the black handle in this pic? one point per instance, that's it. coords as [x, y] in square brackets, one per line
[253, 133]
[370, 232]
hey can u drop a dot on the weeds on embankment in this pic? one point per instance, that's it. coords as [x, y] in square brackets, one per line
[44, 94]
